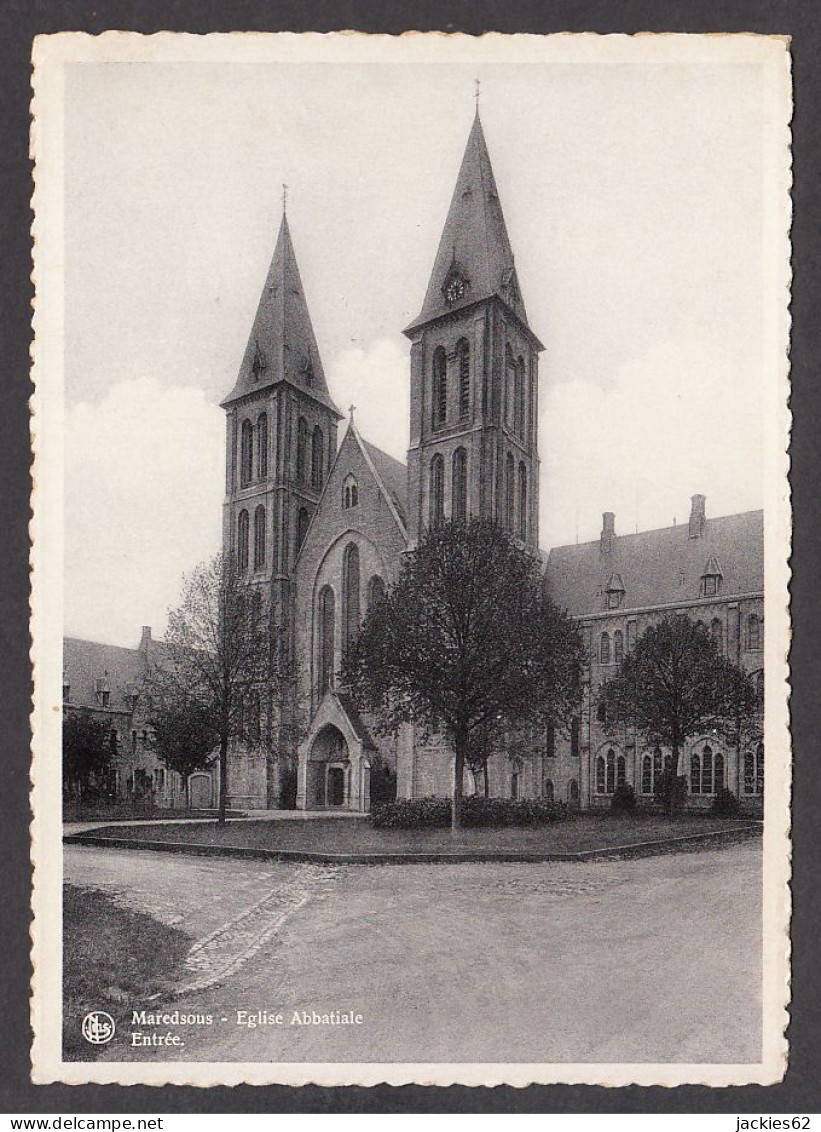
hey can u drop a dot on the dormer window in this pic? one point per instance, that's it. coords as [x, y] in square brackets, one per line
[103, 691]
[711, 578]
[350, 493]
[615, 592]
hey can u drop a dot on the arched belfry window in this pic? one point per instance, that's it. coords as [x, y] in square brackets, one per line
[510, 491]
[262, 446]
[259, 538]
[520, 397]
[463, 354]
[460, 485]
[326, 618]
[437, 490]
[317, 459]
[242, 541]
[376, 591]
[440, 386]
[618, 646]
[604, 649]
[521, 525]
[350, 597]
[511, 381]
[301, 450]
[246, 454]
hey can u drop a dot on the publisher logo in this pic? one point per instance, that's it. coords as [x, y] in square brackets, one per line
[98, 1027]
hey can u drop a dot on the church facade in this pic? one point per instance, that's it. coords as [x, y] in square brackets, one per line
[321, 523]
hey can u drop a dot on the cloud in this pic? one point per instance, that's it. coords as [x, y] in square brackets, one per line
[377, 381]
[682, 419]
[143, 491]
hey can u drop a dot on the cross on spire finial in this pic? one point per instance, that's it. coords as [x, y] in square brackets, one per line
[351, 410]
[284, 197]
[478, 93]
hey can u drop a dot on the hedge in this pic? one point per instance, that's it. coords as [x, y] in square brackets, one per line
[428, 813]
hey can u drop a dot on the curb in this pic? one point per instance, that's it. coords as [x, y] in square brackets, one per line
[637, 849]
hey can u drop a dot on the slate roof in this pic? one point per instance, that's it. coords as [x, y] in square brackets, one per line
[474, 242]
[86, 662]
[394, 475]
[282, 345]
[661, 567]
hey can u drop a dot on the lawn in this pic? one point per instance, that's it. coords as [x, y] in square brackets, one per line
[337, 835]
[112, 957]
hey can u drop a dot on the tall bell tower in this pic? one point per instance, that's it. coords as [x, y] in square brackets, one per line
[474, 371]
[281, 440]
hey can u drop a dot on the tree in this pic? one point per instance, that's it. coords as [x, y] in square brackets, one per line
[674, 685]
[182, 734]
[467, 639]
[219, 662]
[87, 752]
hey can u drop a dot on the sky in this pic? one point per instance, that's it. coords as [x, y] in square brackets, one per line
[634, 204]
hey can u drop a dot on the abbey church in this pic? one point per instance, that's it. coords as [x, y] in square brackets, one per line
[320, 518]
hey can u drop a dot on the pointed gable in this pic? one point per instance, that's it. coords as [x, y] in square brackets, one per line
[282, 345]
[474, 260]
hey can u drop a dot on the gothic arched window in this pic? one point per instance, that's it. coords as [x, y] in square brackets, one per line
[262, 446]
[707, 770]
[460, 486]
[437, 490]
[303, 520]
[350, 493]
[510, 490]
[611, 770]
[646, 775]
[246, 454]
[548, 790]
[520, 397]
[618, 646]
[695, 774]
[325, 635]
[440, 386]
[350, 597]
[621, 771]
[604, 649]
[753, 632]
[317, 459]
[463, 355]
[718, 773]
[259, 537]
[376, 591]
[242, 541]
[521, 525]
[600, 775]
[301, 450]
[754, 770]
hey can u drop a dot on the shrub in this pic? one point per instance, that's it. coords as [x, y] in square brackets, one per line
[430, 813]
[671, 792]
[725, 804]
[624, 800]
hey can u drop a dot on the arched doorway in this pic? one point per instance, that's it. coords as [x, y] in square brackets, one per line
[200, 791]
[329, 771]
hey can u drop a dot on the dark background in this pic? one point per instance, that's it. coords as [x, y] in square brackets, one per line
[20, 21]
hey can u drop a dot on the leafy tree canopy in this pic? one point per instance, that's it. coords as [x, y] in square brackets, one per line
[467, 637]
[675, 684]
[87, 751]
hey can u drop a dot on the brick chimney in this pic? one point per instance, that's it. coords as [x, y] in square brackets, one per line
[145, 638]
[697, 515]
[608, 532]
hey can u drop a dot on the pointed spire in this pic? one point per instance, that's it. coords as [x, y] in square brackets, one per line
[475, 260]
[282, 345]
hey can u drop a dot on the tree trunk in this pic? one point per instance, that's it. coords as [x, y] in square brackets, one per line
[486, 779]
[672, 792]
[223, 779]
[456, 809]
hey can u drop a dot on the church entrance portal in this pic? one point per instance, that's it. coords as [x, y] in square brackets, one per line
[329, 771]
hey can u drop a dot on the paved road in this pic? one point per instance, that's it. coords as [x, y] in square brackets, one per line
[656, 959]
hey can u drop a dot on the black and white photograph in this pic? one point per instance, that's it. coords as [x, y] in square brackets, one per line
[410, 532]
